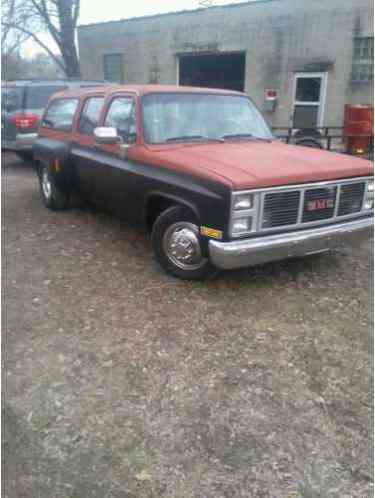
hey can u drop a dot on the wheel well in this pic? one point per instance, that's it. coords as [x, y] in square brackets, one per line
[156, 205]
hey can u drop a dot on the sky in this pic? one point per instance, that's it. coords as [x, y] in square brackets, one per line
[110, 10]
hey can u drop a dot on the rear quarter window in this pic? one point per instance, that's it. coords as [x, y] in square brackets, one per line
[60, 114]
[37, 97]
[12, 99]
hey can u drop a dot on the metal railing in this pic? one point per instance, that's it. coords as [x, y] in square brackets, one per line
[322, 136]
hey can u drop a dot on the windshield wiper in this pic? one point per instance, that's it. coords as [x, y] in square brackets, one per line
[194, 137]
[245, 136]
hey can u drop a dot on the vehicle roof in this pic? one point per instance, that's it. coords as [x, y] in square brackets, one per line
[142, 90]
[52, 82]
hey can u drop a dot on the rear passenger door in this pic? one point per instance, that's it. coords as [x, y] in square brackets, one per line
[84, 149]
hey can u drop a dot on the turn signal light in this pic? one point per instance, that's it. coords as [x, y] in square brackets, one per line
[25, 121]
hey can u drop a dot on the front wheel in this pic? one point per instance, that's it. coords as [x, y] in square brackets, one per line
[177, 245]
[52, 196]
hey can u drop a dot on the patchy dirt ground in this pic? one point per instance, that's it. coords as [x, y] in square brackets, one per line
[121, 382]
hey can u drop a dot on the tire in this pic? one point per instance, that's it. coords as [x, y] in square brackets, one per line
[175, 237]
[52, 196]
[25, 155]
[309, 142]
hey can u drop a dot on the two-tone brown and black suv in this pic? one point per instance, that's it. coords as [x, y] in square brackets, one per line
[201, 169]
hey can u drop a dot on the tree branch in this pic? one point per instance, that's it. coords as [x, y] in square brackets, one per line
[76, 12]
[39, 42]
[42, 11]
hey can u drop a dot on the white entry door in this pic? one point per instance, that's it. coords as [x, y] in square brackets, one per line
[309, 99]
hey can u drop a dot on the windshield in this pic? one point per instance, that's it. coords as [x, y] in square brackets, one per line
[187, 117]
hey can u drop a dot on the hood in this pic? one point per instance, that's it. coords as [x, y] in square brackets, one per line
[254, 164]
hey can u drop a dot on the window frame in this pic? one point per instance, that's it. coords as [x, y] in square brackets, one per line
[121, 57]
[66, 130]
[361, 63]
[107, 108]
[83, 105]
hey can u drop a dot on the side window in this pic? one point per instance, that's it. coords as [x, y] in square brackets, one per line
[90, 115]
[60, 114]
[11, 99]
[37, 97]
[121, 115]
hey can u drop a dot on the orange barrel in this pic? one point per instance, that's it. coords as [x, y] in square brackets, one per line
[358, 128]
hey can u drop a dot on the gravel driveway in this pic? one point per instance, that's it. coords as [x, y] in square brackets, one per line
[121, 382]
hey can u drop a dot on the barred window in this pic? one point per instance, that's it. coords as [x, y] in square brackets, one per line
[113, 68]
[363, 60]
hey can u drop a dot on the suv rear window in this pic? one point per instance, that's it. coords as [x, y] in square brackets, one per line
[37, 96]
[60, 114]
[12, 99]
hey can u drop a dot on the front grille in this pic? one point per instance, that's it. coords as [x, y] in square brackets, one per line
[309, 205]
[351, 198]
[280, 209]
[319, 204]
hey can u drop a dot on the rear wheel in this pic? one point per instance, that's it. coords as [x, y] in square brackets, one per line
[177, 245]
[52, 196]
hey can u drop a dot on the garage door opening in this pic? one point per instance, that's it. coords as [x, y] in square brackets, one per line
[213, 71]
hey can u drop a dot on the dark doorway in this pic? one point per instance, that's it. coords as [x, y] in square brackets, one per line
[213, 71]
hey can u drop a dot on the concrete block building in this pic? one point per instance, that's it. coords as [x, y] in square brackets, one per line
[300, 60]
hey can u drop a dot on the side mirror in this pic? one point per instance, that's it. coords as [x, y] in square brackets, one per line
[106, 135]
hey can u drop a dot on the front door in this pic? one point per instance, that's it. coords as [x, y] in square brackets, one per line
[309, 99]
[115, 179]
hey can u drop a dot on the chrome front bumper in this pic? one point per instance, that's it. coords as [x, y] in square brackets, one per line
[248, 252]
[22, 142]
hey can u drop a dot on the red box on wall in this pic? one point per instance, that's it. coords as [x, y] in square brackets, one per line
[358, 128]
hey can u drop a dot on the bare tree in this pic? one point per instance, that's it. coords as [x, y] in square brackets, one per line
[58, 18]
[15, 66]
[11, 39]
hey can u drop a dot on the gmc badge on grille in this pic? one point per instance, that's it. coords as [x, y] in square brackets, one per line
[320, 204]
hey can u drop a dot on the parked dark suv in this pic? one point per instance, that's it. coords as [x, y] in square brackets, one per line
[22, 104]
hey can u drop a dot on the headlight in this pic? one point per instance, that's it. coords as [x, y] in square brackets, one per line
[241, 225]
[244, 213]
[369, 198]
[243, 201]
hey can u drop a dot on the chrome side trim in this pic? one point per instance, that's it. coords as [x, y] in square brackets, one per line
[257, 250]
[337, 201]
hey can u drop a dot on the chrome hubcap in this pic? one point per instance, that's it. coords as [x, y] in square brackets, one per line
[46, 184]
[181, 244]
